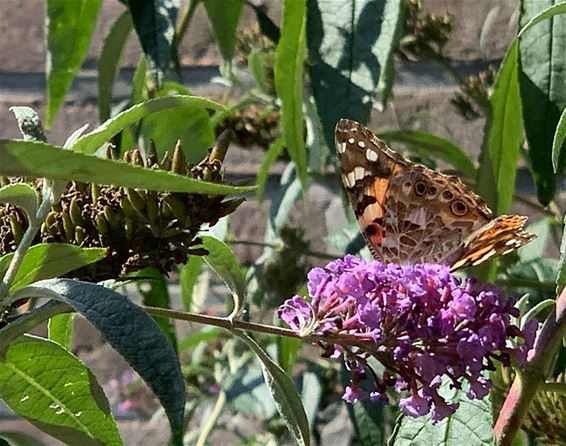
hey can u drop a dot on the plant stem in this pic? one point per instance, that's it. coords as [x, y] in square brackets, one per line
[531, 378]
[238, 325]
[23, 246]
[211, 419]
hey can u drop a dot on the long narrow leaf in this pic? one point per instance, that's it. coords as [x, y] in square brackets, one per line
[69, 27]
[542, 79]
[503, 136]
[224, 17]
[33, 159]
[284, 394]
[223, 261]
[289, 62]
[90, 142]
[109, 60]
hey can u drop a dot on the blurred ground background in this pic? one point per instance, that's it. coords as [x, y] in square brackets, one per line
[422, 97]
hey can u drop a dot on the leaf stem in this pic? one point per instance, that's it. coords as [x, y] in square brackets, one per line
[531, 378]
[25, 243]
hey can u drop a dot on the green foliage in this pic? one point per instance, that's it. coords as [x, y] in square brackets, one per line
[154, 22]
[351, 56]
[470, 425]
[289, 61]
[224, 17]
[32, 159]
[109, 62]
[128, 329]
[542, 79]
[316, 67]
[67, 403]
[69, 28]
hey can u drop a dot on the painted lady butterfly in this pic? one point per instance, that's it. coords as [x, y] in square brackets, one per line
[411, 214]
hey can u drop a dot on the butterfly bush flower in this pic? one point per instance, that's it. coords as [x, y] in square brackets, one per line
[420, 322]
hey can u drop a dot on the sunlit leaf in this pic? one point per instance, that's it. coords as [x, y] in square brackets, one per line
[69, 28]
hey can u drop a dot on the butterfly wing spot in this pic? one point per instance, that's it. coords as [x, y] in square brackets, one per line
[459, 208]
[361, 144]
[341, 147]
[371, 155]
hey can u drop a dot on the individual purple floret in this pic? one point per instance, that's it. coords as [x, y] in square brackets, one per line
[420, 322]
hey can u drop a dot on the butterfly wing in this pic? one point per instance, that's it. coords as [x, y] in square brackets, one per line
[500, 236]
[411, 214]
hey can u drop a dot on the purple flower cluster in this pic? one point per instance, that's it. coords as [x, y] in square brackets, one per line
[420, 322]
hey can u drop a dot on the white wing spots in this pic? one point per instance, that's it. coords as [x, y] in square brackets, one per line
[360, 172]
[512, 242]
[351, 141]
[349, 179]
[342, 147]
[486, 256]
[371, 155]
[361, 144]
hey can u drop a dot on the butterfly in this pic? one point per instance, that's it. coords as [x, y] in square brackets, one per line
[411, 214]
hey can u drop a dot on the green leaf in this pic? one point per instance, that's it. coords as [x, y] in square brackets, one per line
[22, 196]
[503, 137]
[109, 62]
[284, 394]
[154, 292]
[33, 159]
[154, 22]
[542, 79]
[191, 126]
[67, 403]
[60, 329]
[69, 28]
[274, 150]
[558, 140]
[224, 17]
[350, 56]
[224, 263]
[20, 439]
[289, 62]
[287, 351]
[561, 276]
[470, 425]
[258, 60]
[29, 123]
[29, 320]
[131, 332]
[47, 260]
[432, 145]
[92, 141]
[190, 273]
